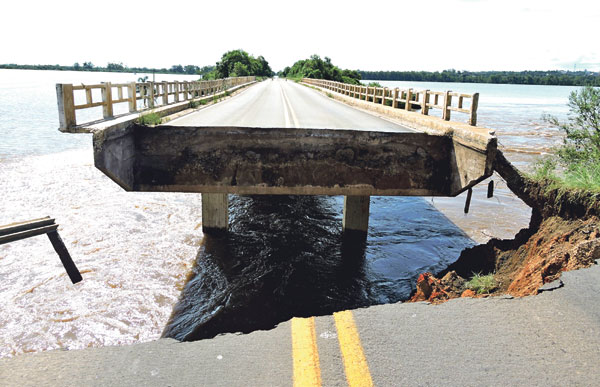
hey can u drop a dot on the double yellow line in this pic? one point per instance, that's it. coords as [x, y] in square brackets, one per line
[307, 370]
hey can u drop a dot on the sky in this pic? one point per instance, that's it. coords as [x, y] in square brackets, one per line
[433, 35]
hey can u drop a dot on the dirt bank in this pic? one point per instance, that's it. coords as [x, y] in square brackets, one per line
[564, 234]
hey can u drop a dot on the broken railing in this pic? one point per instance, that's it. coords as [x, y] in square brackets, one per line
[139, 95]
[408, 99]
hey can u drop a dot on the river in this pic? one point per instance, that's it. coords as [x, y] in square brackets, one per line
[148, 270]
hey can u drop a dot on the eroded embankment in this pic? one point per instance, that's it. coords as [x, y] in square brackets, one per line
[563, 235]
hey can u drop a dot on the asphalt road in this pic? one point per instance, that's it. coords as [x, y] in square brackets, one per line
[285, 104]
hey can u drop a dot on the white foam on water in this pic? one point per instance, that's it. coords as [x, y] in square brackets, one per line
[133, 250]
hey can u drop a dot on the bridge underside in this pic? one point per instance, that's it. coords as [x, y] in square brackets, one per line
[287, 161]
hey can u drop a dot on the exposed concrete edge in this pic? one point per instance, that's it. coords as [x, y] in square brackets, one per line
[475, 137]
[124, 120]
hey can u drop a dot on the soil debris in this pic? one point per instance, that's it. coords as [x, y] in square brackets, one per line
[563, 235]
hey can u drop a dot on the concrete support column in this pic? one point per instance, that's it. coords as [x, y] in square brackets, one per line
[215, 214]
[356, 213]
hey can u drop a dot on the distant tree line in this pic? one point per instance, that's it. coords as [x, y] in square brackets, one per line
[110, 67]
[238, 63]
[555, 77]
[317, 68]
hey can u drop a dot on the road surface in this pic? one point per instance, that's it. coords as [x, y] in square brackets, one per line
[285, 104]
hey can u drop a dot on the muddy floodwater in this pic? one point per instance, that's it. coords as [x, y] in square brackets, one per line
[149, 271]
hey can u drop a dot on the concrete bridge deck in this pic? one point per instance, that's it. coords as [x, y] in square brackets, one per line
[279, 137]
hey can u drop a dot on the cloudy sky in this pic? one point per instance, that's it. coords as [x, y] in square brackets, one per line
[368, 35]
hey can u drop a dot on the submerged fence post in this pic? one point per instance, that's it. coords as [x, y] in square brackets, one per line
[66, 106]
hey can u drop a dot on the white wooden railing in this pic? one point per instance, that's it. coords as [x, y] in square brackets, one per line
[411, 100]
[140, 95]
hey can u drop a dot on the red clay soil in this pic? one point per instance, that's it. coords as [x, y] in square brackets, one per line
[520, 269]
[564, 234]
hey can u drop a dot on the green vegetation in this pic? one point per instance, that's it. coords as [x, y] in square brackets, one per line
[195, 104]
[374, 84]
[318, 68]
[576, 163]
[110, 67]
[238, 63]
[568, 78]
[151, 118]
[481, 284]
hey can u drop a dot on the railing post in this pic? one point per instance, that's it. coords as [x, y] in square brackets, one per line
[186, 90]
[407, 106]
[447, 103]
[395, 99]
[176, 87]
[151, 95]
[131, 89]
[66, 105]
[473, 112]
[383, 92]
[165, 93]
[424, 104]
[107, 108]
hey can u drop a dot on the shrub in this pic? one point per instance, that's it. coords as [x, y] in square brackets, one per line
[150, 119]
[481, 284]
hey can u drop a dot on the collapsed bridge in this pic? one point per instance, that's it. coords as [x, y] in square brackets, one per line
[423, 156]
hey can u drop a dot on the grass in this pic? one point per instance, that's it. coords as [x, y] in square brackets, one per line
[150, 119]
[581, 175]
[481, 284]
[330, 95]
[195, 104]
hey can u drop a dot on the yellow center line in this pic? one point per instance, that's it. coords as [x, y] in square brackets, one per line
[307, 371]
[355, 363]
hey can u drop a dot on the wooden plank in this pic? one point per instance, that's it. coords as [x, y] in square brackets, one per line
[17, 236]
[82, 86]
[28, 224]
[88, 105]
[64, 256]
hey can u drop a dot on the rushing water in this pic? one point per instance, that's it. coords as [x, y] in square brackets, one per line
[147, 268]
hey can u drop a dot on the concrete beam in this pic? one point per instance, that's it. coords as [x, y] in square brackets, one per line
[215, 212]
[287, 161]
[356, 213]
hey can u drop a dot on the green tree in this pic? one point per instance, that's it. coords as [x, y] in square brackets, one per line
[582, 129]
[579, 155]
[246, 65]
[318, 68]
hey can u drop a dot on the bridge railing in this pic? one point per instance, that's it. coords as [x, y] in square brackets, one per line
[408, 99]
[139, 95]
